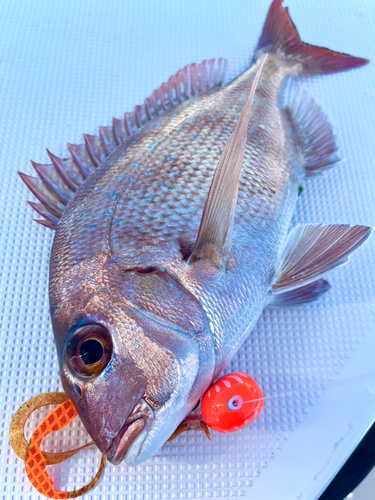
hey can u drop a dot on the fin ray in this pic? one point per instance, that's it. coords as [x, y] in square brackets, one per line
[280, 35]
[53, 182]
[313, 250]
[299, 296]
[314, 133]
[44, 212]
[68, 171]
[58, 182]
[46, 223]
[214, 232]
[39, 190]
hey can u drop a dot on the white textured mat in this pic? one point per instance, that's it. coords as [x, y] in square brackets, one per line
[67, 67]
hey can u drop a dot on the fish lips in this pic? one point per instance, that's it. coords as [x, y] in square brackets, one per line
[139, 418]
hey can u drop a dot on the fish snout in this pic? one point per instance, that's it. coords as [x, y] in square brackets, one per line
[112, 410]
[139, 419]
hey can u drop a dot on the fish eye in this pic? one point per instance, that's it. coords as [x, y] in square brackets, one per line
[89, 350]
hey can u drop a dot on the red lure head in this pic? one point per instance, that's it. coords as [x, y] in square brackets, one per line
[232, 403]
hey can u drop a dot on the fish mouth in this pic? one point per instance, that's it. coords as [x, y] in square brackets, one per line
[137, 420]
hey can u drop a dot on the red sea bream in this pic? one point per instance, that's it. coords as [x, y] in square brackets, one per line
[171, 236]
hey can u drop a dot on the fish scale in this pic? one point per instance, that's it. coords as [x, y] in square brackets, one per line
[170, 248]
[137, 220]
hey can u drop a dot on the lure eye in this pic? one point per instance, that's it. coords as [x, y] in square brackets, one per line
[89, 350]
[235, 403]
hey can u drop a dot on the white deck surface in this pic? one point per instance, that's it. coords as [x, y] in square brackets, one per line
[67, 67]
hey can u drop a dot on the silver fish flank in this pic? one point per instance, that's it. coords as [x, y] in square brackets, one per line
[172, 236]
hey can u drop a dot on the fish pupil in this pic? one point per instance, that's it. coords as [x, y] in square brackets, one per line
[91, 351]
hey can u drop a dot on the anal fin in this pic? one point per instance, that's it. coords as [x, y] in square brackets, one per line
[299, 296]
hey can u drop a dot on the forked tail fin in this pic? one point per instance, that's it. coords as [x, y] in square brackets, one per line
[280, 35]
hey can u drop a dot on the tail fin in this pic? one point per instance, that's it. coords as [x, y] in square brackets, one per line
[280, 35]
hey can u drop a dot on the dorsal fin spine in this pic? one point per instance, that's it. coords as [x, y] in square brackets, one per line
[90, 149]
[147, 109]
[127, 124]
[173, 85]
[163, 94]
[193, 79]
[81, 165]
[39, 190]
[46, 175]
[108, 140]
[189, 81]
[43, 211]
[63, 172]
[211, 64]
[138, 118]
[119, 130]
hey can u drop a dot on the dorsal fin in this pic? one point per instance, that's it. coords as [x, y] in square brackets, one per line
[56, 183]
[218, 213]
[313, 130]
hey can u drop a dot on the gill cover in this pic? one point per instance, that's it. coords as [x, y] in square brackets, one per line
[132, 345]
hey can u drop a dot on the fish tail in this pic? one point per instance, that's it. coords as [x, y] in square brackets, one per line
[280, 35]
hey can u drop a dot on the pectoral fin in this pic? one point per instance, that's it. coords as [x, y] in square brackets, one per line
[313, 250]
[300, 296]
[214, 232]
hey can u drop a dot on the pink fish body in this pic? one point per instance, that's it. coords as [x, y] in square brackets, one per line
[172, 236]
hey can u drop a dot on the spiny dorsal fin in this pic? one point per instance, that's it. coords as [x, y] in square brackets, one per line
[313, 250]
[218, 213]
[312, 130]
[56, 183]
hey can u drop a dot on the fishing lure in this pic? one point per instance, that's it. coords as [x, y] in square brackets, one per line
[223, 418]
[232, 403]
[36, 460]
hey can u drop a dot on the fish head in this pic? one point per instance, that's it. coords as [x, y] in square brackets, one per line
[135, 354]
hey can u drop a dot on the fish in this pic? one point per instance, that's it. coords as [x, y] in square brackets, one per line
[172, 235]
